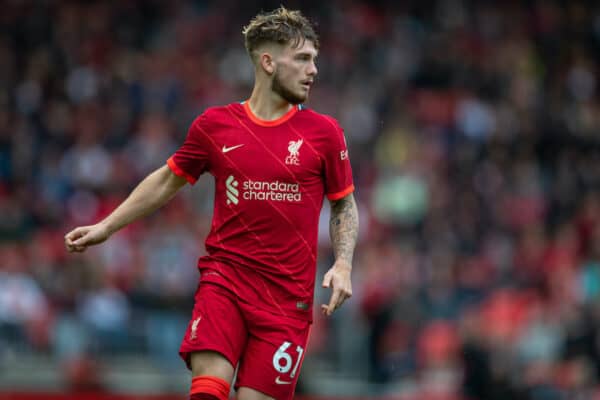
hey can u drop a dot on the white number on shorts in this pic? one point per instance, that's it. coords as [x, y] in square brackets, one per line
[281, 354]
[300, 351]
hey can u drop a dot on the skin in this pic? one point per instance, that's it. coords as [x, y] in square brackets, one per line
[283, 77]
[343, 230]
[152, 193]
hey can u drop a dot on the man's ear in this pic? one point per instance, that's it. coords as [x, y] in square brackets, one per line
[267, 63]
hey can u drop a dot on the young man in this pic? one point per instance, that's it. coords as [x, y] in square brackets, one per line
[273, 161]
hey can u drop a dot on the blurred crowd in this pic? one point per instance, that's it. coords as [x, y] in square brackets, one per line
[474, 134]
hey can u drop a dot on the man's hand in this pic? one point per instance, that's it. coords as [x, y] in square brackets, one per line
[338, 279]
[79, 239]
[343, 229]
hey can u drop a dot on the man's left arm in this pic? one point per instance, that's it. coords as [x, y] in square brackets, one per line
[343, 230]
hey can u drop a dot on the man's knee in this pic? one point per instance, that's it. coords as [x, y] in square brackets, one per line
[211, 363]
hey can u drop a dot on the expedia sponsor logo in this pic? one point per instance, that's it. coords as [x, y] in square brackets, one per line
[262, 190]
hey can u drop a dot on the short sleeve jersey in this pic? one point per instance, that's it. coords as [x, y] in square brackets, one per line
[271, 178]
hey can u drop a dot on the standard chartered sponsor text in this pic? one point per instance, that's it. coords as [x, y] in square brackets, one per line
[274, 191]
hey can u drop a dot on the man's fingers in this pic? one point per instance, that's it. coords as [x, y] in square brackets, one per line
[76, 240]
[335, 296]
[81, 241]
[342, 289]
[75, 234]
[346, 294]
[341, 300]
[337, 299]
[325, 310]
[327, 280]
[73, 248]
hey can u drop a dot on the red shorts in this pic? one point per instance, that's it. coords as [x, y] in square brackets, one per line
[268, 349]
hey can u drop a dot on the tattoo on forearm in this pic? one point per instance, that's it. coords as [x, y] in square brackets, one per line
[343, 227]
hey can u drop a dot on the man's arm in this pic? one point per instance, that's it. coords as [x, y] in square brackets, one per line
[151, 193]
[343, 230]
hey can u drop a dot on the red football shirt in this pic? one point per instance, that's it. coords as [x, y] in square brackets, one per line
[271, 177]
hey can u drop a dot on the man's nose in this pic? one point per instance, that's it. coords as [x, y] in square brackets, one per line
[312, 69]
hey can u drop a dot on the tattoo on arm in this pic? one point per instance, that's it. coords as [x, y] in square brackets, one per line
[343, 227]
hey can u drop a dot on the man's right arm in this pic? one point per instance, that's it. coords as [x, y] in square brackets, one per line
[152, 193]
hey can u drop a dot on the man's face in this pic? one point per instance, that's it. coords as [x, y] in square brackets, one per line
[295, 71]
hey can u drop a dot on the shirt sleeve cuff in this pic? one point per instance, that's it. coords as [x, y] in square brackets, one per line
[342, 194]
[179, 172]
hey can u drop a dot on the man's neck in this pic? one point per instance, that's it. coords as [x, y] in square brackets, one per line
[267, 105]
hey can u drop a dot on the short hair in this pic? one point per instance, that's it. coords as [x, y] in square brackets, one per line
[280, 26]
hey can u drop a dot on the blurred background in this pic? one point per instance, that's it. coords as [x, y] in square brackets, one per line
[474, 134]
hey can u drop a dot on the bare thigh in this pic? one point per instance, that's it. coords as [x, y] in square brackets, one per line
[245, 393]
[211, 363]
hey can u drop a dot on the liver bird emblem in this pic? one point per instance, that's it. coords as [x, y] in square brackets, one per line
[294, 147]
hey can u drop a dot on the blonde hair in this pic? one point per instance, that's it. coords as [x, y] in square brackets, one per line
[281, 26]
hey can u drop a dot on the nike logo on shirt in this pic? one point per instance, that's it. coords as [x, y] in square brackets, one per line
[280, 382]
[228, 149]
